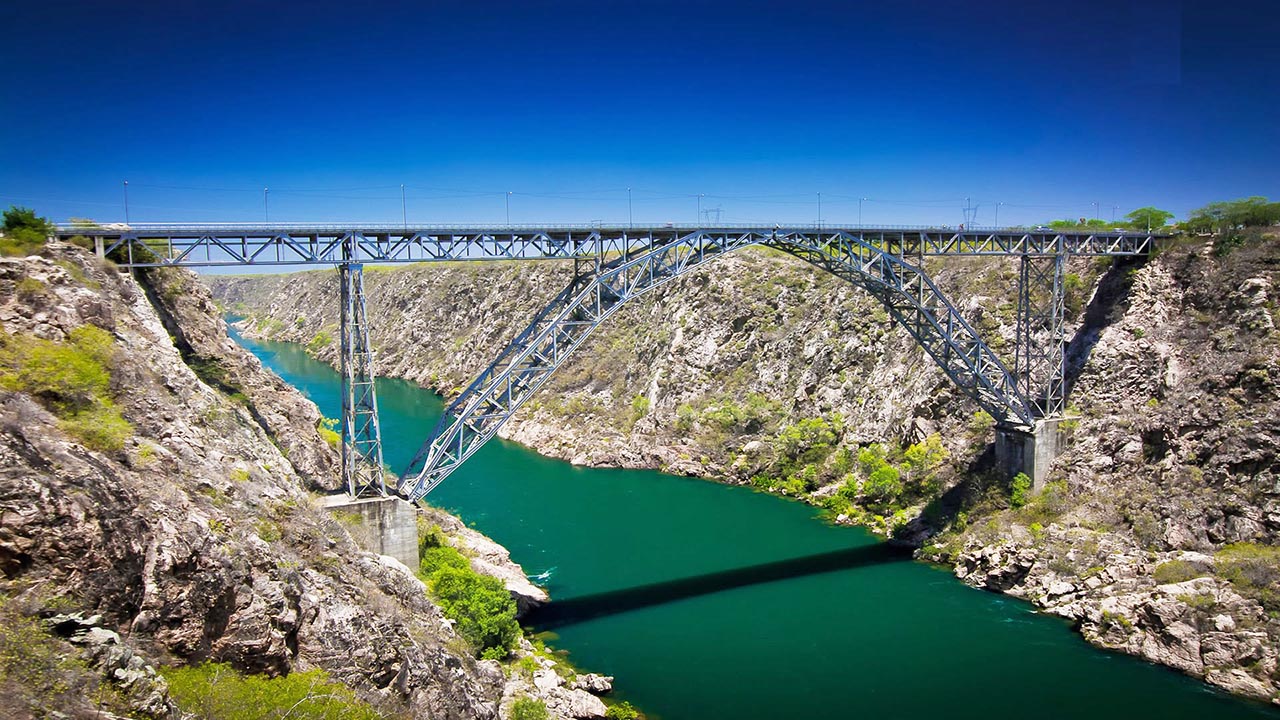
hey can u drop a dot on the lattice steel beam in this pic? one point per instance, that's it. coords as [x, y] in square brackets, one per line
[235, 245]
[561, 327]
[361, 436]
[1040, 354]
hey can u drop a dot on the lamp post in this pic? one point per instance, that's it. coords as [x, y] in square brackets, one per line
[860, 211]
[997, 219]
[1095, 211]
[404, 208]
[266, 209]
[508, 207]
[126, 202]
[630, 222]
[819, 211]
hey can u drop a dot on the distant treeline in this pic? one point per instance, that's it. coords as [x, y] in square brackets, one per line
[1216, 217]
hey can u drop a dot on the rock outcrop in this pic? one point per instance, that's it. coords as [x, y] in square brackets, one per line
[193, 537]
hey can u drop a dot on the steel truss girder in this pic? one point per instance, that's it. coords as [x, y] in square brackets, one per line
[362, 471]
[236, 245]
[562, 326]
[1040, 354]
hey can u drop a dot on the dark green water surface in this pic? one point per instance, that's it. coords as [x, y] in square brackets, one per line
[674, 586]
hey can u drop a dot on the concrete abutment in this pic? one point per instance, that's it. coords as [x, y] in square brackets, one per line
[1032, 453]
[387, 525]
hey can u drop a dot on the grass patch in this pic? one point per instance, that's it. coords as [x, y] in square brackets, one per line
[40, 676]
[216, 691]
[1254, 570]
[72, 379]
[1176, 571]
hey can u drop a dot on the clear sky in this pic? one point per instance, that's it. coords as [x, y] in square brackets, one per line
[1047, 107]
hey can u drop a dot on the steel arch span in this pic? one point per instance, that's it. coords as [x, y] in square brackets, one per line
[906, 291]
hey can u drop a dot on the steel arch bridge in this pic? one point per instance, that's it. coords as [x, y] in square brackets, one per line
[614, 265]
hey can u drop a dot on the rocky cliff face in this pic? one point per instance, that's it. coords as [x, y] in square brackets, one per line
[187, 532]
[764, 370]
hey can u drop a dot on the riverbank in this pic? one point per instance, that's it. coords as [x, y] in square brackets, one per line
[769, 373]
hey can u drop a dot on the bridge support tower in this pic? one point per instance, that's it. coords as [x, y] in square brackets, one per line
[361, 436]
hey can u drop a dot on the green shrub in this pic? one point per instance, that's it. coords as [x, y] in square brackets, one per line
[639, 407]
[527, 708]
[480, 606]
[216, 691]
[1176, 571]
[810, 439]
[1254, 570]
[268, 530]
[435, 558]
[321, 340]
[981, 423]
[1020, 490]
[883, 486]
[327, 433]
[622, 711]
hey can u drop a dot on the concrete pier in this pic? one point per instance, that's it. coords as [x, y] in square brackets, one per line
[389, 525]
[1019, 451]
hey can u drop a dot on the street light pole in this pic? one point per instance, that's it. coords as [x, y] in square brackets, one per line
[404, 208]
[1095, 211]
[860, 211]
[997, 219]
[819, 211]
[126, 202]
[630, 222]
[508, 207]
[266, 209]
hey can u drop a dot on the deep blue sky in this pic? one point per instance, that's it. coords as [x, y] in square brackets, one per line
[1045, 106]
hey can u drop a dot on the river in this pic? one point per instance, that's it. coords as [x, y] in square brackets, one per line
[674, 586]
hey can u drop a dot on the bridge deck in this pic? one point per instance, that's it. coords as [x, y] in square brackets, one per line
[305, 244]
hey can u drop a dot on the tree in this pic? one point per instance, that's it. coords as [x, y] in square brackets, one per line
[24, 231]
[1235, 214]
[1148, 218]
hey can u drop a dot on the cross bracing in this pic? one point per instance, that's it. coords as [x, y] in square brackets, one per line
[239, 245]
[613, 265]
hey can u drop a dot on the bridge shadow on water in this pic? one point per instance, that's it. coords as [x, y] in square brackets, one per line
[560, 613]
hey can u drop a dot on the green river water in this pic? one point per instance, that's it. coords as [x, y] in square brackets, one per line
[674, 586]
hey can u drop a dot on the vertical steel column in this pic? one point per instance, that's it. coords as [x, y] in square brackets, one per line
[1040, 362]
[361, 437]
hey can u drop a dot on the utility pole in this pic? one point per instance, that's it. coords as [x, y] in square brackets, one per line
[967, 221]
[508, 207]
[819, 211]
[1114, 208]
[997, 220]
[126, 202]
[404, 208]
[630, 222]
[266, 210]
